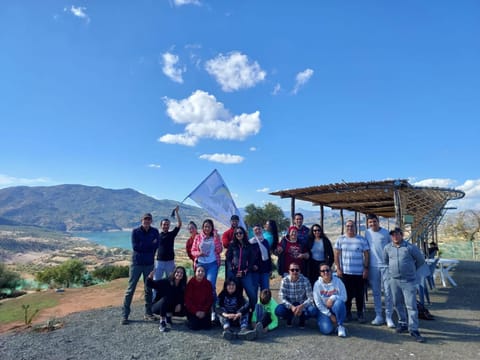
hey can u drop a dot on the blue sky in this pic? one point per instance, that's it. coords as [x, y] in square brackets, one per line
[154, 95]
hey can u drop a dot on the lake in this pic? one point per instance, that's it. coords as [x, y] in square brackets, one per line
[118, 239]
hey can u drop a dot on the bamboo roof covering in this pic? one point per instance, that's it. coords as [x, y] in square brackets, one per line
[388, 198]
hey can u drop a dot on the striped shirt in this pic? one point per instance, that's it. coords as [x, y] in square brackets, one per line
[352, 249]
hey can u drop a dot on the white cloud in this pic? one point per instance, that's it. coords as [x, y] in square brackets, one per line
[264, 190]
[301, 79]
[223, 158]
[79, 12]
[186, 2]
[205, 117]
[253, 148]
[169, 69]
[471, 188]
[445, 183]
[234, 71]
[8, 181]
[155, 166]
[276, 89]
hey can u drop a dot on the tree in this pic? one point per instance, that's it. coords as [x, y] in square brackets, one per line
[466, 226]
[69, 273]
[259, 215]
[9, 280]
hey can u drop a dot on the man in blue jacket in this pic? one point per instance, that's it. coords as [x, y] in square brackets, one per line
[144, 244]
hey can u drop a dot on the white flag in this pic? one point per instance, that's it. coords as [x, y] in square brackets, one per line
[213, 195]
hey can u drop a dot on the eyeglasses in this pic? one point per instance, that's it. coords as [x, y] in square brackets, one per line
[295, 270]
[325, 271]
[239, 233]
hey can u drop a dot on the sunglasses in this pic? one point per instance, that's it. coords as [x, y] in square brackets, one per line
[325, 271]
[295, 270]
[239, 233]
[316, 230]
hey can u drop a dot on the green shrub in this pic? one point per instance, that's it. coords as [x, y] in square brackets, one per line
[111, 272]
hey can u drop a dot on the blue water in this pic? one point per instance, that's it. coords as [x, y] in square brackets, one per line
[119, 239]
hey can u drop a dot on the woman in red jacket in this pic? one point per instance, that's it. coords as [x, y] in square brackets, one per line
[199, 301]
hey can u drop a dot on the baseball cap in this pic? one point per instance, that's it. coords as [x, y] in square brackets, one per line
[147, 216]
[397, 230]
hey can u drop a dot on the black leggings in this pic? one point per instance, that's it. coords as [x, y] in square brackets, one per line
[164, 306]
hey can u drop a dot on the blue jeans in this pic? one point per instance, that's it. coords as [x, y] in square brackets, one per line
[135, 272]
[211, 273]
[378, 278]
[285, 313]
[404, 294]
[249, 283]
[325, 324]
[264, 281]
[163, 269]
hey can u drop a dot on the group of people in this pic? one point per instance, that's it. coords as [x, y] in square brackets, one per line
[308, 287]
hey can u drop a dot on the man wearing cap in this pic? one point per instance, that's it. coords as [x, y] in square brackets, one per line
[144, 245]
[227, 236]
[403, 259]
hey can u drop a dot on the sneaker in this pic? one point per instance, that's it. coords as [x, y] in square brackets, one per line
[228, 335]
[401, 328]
[125, 321]
[163, 326]
[246, 334]
[341, 331]
[226, 327]
[361, 318]
[289, 322]
[149, 317]
[259, 330]
[418, 338]
[378, 321]
[390, 323]
[301, 323]
[169, 320]
[213, 317]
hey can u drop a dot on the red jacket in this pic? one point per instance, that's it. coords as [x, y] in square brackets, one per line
[198, 296]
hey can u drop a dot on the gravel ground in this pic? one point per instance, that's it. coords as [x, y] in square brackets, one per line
[97, 334]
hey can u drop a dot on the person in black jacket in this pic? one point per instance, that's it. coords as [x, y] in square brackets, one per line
[320, 250]
[170, 296]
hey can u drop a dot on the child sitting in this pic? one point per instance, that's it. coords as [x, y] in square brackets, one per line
[264, 314]
[233, 310]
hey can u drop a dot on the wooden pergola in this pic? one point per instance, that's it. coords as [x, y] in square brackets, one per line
[418, 206]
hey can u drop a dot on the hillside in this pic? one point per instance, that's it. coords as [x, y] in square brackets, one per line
[84, 208]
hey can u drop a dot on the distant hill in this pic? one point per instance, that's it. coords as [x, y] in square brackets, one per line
[85, 208]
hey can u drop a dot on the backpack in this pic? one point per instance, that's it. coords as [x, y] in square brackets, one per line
[423, 312]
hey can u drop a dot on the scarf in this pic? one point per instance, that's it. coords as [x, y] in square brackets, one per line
[263, 249]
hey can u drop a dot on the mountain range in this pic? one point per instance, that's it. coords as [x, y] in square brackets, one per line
[85, 208]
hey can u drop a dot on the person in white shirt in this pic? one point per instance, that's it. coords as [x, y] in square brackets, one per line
[329, 294]
[378, 238]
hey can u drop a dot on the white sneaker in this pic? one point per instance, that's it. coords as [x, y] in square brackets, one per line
[378, 321]
[341, 331]
[390, 323]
